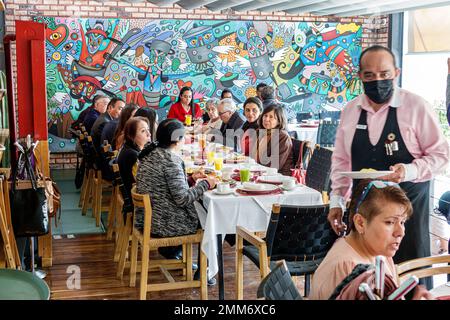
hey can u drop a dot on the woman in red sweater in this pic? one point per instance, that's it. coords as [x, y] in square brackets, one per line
[185, 105]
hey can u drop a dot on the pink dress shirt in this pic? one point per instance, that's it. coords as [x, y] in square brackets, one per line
[420, 131]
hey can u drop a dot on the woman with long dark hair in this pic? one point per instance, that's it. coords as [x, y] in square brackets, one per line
[185, 105]
[152, 118]
[252, 111]
[272, 136]
[116, 139]
[136, 135]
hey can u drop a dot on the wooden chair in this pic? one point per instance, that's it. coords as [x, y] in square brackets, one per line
[423, 267]
[87, 189]
[115, 219]
[300, 235]
[4, 134]
[101, 185]
[143, 238]
[278, 285]
[7, 240]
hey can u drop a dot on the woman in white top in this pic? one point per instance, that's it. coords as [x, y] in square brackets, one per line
[212, 127]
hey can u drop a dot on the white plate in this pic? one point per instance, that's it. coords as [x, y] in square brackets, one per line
[215, 191]
[258, 187]
[365, 175]
[273, 179]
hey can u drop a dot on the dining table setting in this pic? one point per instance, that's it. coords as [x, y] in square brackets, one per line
[243, 196]
[306, 130]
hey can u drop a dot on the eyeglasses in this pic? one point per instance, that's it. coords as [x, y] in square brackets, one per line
[379, 184]
[221, 113]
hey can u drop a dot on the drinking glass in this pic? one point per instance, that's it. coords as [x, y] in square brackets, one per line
[210, 156]
[244, 174]
[202, 141]
[188, 120]
[218, 164]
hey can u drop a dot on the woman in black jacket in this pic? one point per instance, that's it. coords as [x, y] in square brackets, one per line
[136, 135]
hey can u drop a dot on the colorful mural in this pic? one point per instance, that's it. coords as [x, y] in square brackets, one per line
[313, 65]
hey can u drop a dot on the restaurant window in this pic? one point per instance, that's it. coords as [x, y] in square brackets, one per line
[429, 30]
[426, 49]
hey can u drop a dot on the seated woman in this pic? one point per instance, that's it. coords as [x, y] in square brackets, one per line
[185, 105]
[378, 212]
[136, 135]
[252, 111]
[273, 137]
[161, 174]
[213, 125]
[113, 131]
[152, 118]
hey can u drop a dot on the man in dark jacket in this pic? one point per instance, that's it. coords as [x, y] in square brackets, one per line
[112, 113]
[99, 106]
[82, 116]
[232, 123]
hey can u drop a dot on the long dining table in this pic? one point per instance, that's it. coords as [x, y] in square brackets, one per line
[221, 214]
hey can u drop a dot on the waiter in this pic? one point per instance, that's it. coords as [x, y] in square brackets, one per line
[389, 128]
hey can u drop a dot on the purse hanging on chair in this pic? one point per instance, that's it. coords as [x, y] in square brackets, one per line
[29, 207]
[299, 172]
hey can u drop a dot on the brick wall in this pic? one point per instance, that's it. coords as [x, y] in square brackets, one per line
[63, 160]
[375, 29]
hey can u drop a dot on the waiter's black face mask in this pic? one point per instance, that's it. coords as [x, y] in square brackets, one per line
[379, 91]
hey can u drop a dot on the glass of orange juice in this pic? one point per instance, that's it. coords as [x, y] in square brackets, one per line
[210, 156]
[218, 164]
[188, 120]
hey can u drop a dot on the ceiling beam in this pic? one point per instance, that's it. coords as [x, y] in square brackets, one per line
[225, 4]
[365, 4]
[289, 5]
[163, 3]
[395, 8]
[323, 5]
[193, 4]
[255, 5]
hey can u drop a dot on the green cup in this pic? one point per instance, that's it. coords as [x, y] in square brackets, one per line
[244, 175]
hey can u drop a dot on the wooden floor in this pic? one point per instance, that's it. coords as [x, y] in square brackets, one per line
[93, 254]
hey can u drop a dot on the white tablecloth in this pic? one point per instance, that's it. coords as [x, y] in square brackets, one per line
[304, 133]
[251, 212]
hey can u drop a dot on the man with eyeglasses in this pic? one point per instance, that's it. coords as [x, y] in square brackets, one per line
[232, 123]
[389, 128]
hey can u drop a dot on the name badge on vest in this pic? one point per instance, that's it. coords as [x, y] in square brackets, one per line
[361, 126]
